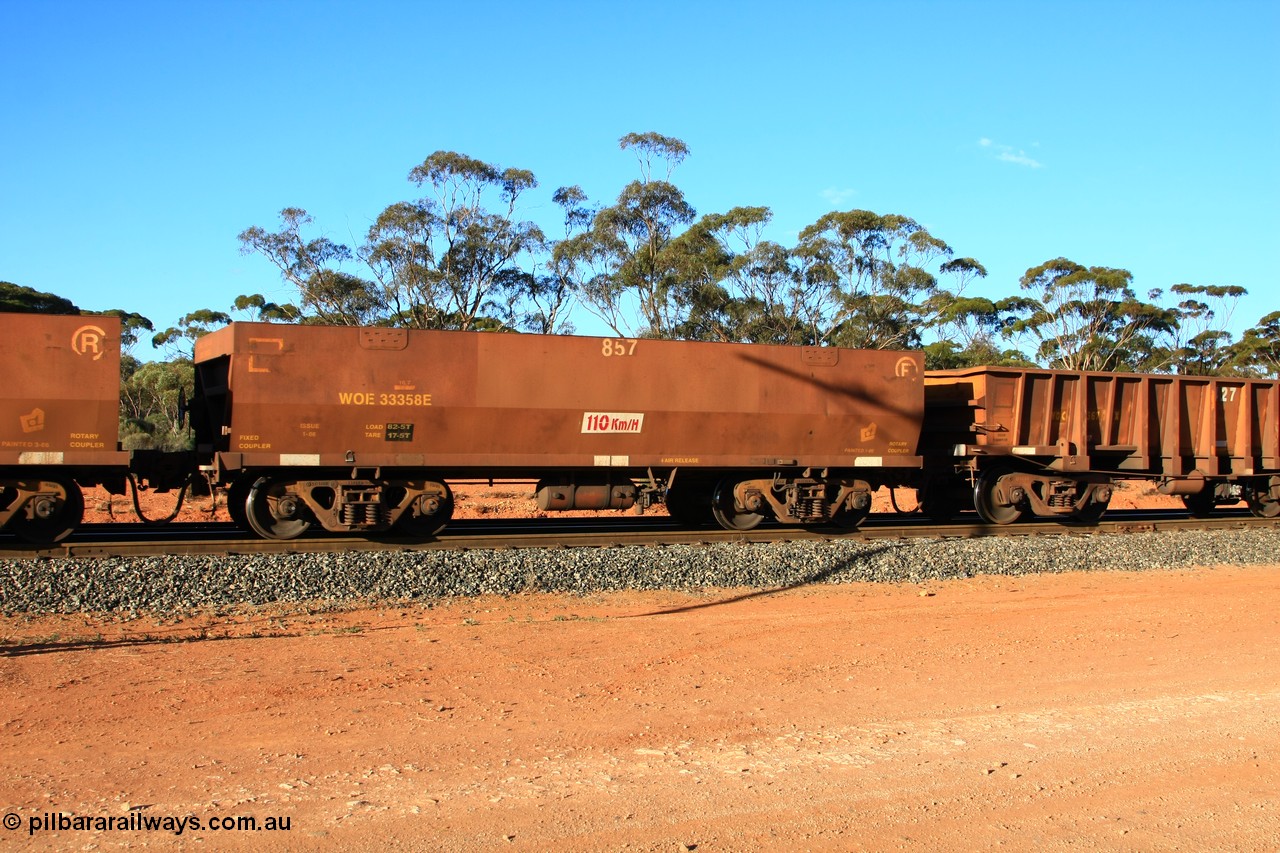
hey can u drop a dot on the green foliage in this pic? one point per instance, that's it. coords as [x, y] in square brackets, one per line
[132, 325]
[461, 257]
[627, 266]
[1198, 344]
[1258, 350]
[552, 294]
[190, 328]
[468, 245]
[327, 293]
[257, 309]
[876, 269]
[450, 260]
[742, 287]
[650, 146]
[17, 299]
[968, 329]
[946, 355]
[1087, 318]
[151, 395]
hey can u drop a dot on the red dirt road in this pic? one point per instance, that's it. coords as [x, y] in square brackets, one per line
[1104, 711]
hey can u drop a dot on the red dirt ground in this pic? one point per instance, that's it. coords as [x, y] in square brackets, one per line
[1095, 712]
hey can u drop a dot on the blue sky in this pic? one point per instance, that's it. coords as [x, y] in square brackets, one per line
[140, 138]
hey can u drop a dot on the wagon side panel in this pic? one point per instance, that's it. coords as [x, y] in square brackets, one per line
[480, 401]
[60, 398]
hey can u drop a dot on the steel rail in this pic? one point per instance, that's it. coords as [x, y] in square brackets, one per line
[207, 539]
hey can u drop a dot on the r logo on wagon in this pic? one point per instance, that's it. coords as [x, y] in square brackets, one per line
[612, 422]
[88, 340]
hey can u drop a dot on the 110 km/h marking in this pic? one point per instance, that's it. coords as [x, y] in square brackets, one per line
[612, 422]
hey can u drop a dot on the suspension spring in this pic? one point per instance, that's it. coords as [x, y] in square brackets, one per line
[811, 508]
[1061, 495]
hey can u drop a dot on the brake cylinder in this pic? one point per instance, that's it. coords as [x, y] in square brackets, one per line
[556, 497]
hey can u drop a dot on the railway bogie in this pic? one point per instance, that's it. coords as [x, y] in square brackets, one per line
[280, 505]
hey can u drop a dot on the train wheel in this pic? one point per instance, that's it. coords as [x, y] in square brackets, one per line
[54, 518]
[273, 513]
[427, 521]
[994, 504]
[726, 514]
[1201, 504]
[1262, 500]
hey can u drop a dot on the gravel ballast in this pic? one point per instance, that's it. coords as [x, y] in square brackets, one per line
[175, 585]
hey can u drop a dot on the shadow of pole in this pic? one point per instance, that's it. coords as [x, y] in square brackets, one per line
[817, 577]
[190, 635]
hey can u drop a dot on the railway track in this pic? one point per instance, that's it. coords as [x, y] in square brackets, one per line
[214, 539]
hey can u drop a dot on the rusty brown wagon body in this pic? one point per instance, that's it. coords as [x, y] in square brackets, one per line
[1052, 442]
[359, 428]
[59, 419]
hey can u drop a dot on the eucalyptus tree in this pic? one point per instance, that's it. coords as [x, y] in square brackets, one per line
[870, 278]
[969, 331]
[179, 340]
[1258, 350]
[20, 299]
[743, 287]
[1201, 343]
[551, 290]
[779, 305]
[132, 326]
[255, 308]
[152, 412]
[452, 259]
[327, 293]
[701, 307]
[962, 324]
[625, 267]
[1086, 318]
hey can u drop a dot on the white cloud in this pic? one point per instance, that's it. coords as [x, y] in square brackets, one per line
[1021, 158]
[838, 197]
[1009, 154]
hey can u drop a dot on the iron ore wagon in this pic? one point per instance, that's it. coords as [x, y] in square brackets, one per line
[59, 420]
[1053, 442]
[359, 429]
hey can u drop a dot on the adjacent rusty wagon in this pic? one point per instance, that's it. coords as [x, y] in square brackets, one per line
[1051, 443]
[359, 429]
[59, 419]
